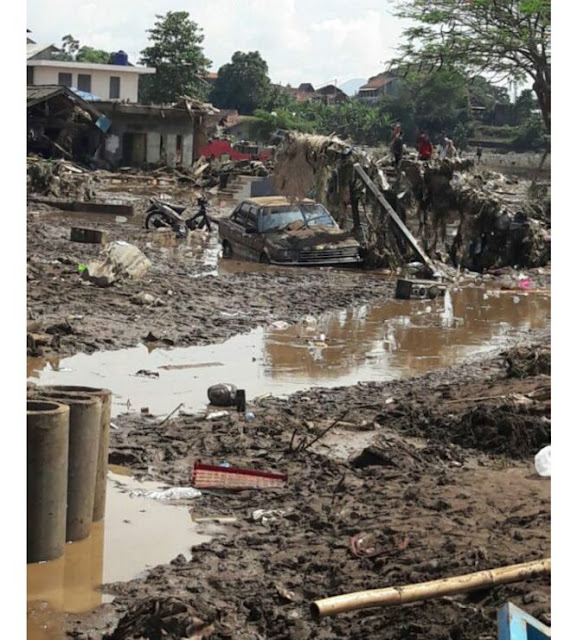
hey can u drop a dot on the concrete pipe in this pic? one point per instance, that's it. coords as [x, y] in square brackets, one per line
[47, 456]
[84, 433]
[101, 479]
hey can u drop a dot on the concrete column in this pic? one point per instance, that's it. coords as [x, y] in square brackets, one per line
[101, 477]
[170, 140]
[187, 145]
[153, 147]
[47, 459]
[84, 432]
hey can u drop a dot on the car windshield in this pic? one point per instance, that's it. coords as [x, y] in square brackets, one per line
[308, 214]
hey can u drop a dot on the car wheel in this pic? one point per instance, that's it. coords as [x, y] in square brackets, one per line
[264, 259]
[226, 249]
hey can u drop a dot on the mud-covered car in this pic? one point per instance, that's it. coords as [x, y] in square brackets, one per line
[275, 231]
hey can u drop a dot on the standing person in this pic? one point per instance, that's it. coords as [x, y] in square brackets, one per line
[479, 154]
[442, 149]
[425, 147]
[397, 148]
[450, 149]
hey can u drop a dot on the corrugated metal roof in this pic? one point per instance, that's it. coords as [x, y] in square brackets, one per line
[42, 92]
[39, 93]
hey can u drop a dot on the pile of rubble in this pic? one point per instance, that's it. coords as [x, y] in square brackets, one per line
[59, 179]
[203, 173]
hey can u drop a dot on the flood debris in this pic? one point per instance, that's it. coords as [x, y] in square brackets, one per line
[89, 236]
[167, 618]
[117, 261]
[222, 394]
[490, 231]
[207, 476]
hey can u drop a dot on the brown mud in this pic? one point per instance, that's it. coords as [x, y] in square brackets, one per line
[444, 485]
[192, 310]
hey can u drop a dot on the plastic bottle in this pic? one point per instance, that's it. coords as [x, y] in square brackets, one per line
[249, 416]
[543, 462]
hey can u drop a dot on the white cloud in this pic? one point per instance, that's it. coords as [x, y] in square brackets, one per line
[312, 41]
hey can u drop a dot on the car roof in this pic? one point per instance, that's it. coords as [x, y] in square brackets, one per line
[275, 201]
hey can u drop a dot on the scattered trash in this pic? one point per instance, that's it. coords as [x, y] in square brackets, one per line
[174, 493]
[147, 299]
[308, 320]
[542, 462]
[525, 283]
[249, 416]
[241, 400]
[118, 260]
[217, 519]
[280, 325]
[207, 476]
[516, 299]
[286, 594]
[194, 365]
[389, 401]
[81, 268]
[267, 515]
[217, 414]
[222, 395]
[145, 373]
[145, 411]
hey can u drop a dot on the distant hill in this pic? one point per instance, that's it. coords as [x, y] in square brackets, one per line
[352, 86]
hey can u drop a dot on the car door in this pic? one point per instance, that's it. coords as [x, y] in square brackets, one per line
[234, 232]
[253, 239]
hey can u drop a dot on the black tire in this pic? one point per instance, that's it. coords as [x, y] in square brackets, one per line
[433, 293]
[226, 249]
[157, 220]
[264, 259]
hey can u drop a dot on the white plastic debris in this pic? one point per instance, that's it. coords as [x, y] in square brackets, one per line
[217, 414]
[279, 324]
[174, 493]
[516, 299]
[308, 320]
[267, 515]
[542, 462]
[118, 260]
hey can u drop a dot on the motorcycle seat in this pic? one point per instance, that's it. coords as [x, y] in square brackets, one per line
[179, 208]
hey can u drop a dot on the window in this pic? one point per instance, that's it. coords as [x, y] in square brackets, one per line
[114, 87]
[84, 82]
[64, 79]
[30, 75]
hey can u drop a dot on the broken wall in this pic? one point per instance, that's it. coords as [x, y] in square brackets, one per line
[160, 139]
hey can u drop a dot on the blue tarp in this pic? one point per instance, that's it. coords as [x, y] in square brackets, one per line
[85, 95]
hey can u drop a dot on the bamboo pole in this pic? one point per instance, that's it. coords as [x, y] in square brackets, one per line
[433, 589]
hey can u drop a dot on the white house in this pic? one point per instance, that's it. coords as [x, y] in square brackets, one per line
[116, 82]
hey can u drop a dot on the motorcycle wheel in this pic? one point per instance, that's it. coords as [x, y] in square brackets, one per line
[156, 220]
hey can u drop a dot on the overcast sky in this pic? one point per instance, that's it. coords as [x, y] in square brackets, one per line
[302, 41]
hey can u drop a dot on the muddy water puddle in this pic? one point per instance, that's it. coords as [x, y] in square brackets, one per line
[137, 534]
[370, 343]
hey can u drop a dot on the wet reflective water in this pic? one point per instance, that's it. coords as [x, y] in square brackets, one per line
[138, 533]
[398, 339]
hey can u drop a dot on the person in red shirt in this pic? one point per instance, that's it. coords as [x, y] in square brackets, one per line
[425, 147]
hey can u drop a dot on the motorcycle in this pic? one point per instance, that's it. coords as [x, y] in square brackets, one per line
[160, 214]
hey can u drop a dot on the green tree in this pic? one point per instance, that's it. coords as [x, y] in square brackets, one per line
[243, 83]
[68, 49]
[177, 55]
[88, 54]
[509, 38]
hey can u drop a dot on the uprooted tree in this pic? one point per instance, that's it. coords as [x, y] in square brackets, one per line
[508, 38]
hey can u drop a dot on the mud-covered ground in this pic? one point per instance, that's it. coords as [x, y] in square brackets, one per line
[190, 310]
[420, 479]
[197, 298]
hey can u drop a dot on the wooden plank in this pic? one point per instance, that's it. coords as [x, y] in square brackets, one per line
[393, 214]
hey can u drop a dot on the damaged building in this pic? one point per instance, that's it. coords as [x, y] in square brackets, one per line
[61, 124]
[142, 135]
